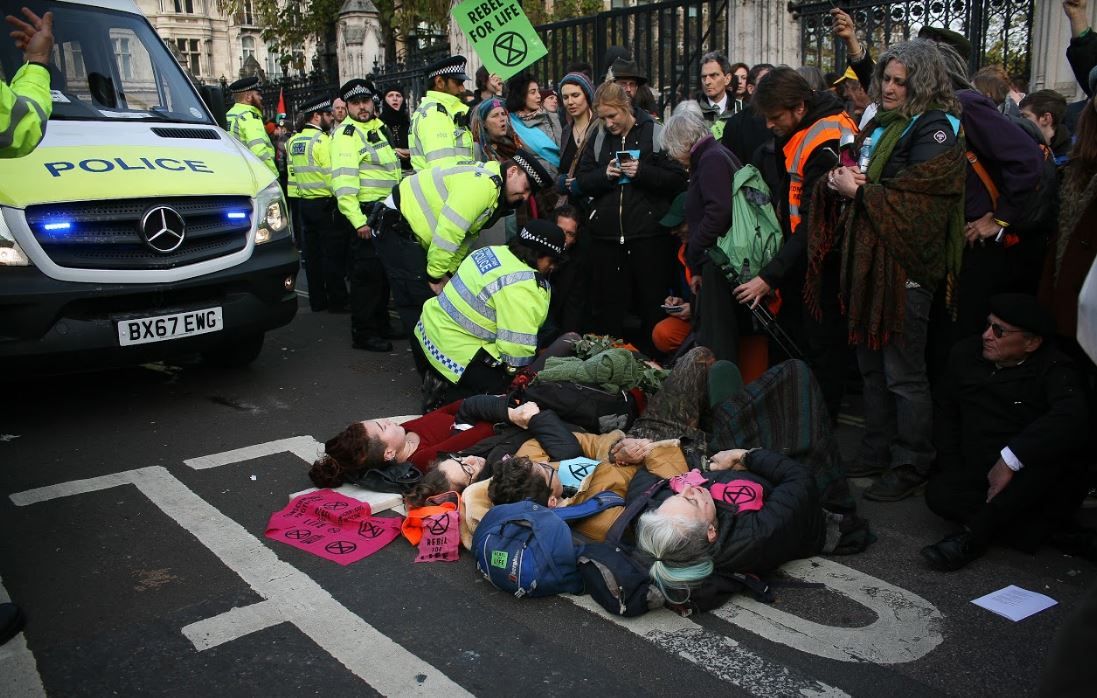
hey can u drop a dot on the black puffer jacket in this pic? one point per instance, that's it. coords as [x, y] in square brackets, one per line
[789, 526]
[633, 210]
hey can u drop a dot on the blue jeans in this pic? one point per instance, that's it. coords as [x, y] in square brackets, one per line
[898, 406]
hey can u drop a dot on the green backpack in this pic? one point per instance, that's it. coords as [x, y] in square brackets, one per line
[755, 235]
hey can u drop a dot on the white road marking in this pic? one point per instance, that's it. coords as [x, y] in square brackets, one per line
[17, 665]
[304, 447]
[370, 655]
[907, 627]
[721, 656]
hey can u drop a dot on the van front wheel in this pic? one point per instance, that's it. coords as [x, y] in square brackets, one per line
[235, 354]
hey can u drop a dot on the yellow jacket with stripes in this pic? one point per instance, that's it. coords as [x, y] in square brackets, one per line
[364, 166]
[439, 134]
[309, 164]
[447, 207]
[246, 124]
[495, 302]
[25, 107]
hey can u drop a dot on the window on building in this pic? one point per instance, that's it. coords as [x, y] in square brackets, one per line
[183, 6]
[124, 57]
[246, 15]
[209, 58]
[190, 55]
[274, 65]
[247, 48]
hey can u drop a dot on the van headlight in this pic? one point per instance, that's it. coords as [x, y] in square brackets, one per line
[273, 215]
[11, 254]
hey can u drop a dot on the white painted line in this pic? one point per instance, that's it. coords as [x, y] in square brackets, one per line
[19, 675]
[383, 664]
[233, 624]
[907, 627]
[304, 447]
[721, 656]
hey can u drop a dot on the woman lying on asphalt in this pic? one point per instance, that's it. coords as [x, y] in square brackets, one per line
[376, 443]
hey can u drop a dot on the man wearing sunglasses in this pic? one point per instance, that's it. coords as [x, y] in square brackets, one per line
[1011, 437]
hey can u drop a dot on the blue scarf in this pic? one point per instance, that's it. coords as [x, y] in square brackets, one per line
[537, 141]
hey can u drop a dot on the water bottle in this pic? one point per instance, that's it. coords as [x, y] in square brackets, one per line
[866, 154]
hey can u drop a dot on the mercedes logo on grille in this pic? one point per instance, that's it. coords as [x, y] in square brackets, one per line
[163, 229]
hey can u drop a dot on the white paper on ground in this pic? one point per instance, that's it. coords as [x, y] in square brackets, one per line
[1015, 603]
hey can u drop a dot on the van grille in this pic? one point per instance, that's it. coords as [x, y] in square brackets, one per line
[106, 234]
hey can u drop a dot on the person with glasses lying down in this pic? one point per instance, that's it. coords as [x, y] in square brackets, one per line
[1010, 427]
[670, 439]
[376, 443]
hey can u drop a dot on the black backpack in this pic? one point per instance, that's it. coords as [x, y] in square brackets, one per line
[612, 575]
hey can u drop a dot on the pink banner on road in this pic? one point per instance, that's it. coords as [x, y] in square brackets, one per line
[333, 526]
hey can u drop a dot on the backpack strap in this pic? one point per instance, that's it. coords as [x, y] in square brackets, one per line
[984, 177]
[632, 510]
[596, 504]
[656, 146]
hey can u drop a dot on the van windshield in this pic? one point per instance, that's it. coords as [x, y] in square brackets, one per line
[107, 66]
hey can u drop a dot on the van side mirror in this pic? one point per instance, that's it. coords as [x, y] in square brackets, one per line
[214, 97]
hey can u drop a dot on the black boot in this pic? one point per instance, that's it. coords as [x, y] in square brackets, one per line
[952, 552]
[11, 621]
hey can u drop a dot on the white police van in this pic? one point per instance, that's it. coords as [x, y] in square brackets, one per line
[138, 229]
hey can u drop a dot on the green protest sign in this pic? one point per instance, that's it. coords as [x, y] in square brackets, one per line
[501, 35]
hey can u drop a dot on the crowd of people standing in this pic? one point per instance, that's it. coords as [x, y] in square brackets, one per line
[931, 221]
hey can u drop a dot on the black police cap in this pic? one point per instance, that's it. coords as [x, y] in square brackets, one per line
[452, 67]
[356, 89]
[244, 85]
[538, 176]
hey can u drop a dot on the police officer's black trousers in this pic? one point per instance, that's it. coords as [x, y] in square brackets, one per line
[479, 377]
[335, 249]
[405, 263]
[369, 292]
[316, 218]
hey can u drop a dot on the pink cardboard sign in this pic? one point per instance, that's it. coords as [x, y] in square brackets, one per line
[333, 526]
[441, 538]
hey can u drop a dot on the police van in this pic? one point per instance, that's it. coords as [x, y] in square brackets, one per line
[138, 229]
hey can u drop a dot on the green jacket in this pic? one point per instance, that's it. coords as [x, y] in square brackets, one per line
[25, 107]
[439, 135]
[447, 207]
[495, 302]
[246, 124]
[309, 170]
[364, 166]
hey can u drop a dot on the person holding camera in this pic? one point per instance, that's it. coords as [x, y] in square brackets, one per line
[631, 183]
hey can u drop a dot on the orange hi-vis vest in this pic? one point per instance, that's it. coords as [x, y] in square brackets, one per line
[799, 150]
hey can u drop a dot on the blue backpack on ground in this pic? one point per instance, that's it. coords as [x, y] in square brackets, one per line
[527, 549]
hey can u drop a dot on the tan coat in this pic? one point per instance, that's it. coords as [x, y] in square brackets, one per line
[665, 460]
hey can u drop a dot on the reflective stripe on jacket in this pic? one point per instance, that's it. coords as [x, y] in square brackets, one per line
[446, 207]
[309, 156]
[364, 166]
[439, 135]
[246, 124]
[25, 107]
[495, 302]
[799, 149]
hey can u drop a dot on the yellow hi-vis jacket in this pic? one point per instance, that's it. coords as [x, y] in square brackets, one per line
[25, 107]
[439, 134]
[309, 164]
[246, 124]
[446, 208]
[495, 302]
[364, 166]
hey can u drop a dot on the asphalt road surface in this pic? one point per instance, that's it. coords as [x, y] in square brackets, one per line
[133, 511]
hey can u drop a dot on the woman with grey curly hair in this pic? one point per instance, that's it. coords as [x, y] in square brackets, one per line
[901, 218]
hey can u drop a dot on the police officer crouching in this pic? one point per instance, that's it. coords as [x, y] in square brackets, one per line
[484, 324]
[309, 155]
[365, 168]
[425, 228]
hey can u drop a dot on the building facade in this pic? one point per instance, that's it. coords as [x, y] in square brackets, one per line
[212, 44]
